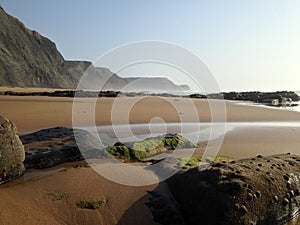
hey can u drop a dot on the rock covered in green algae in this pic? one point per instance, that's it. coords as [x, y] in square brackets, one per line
[257, 191]
[149, 147]
[12, 152]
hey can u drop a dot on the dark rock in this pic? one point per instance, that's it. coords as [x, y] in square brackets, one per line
[243, 210]
[259, 97]
[275, 198]
[285, 201]
[250, 196]
[64, 147]
[164, 209]
[12, 152]
[229, 200]
[258, 194]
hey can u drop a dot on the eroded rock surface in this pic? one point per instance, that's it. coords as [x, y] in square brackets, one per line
[53, 146]
[261, 191]
[12, 152]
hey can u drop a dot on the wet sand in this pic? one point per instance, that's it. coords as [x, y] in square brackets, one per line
[30, 202]
[252, 141]
[32, 113]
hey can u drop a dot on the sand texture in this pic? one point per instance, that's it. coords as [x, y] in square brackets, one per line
[29, 201]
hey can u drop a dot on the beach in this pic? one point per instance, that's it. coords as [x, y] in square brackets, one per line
[30, 202]
[31, 113]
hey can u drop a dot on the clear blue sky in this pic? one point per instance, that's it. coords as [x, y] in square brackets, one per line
[247, 44]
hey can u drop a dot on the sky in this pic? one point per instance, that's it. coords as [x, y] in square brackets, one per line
[246, 45]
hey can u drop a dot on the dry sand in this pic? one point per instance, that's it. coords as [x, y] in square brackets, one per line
[29, 202]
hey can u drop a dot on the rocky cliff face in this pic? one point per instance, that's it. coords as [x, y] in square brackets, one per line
[27, 59]
[12, 152]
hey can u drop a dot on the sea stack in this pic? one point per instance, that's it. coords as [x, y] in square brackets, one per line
[12, 154]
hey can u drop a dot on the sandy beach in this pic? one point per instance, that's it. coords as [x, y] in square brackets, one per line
[29, 202]
[31, 113]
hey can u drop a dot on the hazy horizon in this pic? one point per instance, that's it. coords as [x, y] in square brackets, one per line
[251, 45]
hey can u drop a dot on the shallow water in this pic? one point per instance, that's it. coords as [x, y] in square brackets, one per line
[196, 132]
[295, 108]
[33, 175]
[39, 174]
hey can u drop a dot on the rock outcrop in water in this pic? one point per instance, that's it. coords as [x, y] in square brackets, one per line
[12, 152]
[257, 191]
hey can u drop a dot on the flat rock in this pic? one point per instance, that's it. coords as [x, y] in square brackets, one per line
[53, 146]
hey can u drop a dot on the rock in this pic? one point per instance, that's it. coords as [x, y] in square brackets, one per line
[149, 147]
[256, 96]
[220, 195]
[164, 209]
[12, 152]
[53, 146]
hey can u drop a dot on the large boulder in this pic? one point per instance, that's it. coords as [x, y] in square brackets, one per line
[256, 191]
[12, 152]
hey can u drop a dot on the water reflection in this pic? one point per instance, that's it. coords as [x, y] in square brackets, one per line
[201, 131]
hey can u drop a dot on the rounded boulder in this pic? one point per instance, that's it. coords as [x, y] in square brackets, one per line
[12, 154]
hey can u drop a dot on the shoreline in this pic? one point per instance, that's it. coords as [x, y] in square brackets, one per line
[32, 113]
